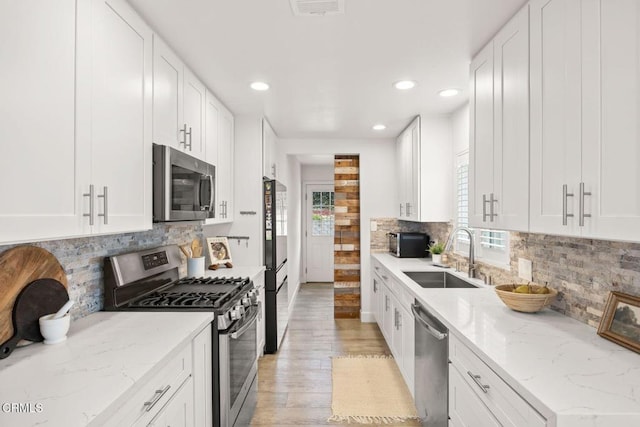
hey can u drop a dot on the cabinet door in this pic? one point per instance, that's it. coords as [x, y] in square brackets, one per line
[269, 138]
[375, 296]
[178, 412]
[401, 159]
[396, 334]
[167, 95]
[121, 125]
[465, 408]
[211, 129]
[387, 315]
[556, 87]
[408, 347]
[481, 136]
[194, 107]
[511, 125]
[41, 193]
[611, 108]
[202, 379]
[413, 171]
[224, 168]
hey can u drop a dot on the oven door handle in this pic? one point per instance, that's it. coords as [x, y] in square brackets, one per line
[247, 324]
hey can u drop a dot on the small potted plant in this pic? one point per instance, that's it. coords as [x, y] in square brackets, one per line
[436, 249]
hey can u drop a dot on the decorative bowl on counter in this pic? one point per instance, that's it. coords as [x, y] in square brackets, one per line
[529, 302]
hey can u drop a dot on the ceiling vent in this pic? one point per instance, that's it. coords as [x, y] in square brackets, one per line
[317, 7]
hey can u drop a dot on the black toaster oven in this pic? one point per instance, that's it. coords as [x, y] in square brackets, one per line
[409, 245]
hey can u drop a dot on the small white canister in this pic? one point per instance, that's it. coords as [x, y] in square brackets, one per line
[195, 267]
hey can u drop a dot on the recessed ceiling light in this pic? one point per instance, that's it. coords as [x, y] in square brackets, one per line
[448, 92]
[379, 126]
[261, 86]
[404, 84]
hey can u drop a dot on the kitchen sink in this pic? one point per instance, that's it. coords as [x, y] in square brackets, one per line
[438, 279]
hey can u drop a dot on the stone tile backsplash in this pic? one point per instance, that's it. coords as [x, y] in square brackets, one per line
[82, 258]
[582, 270]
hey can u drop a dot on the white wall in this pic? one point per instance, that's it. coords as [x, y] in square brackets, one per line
[460, 128]
[378, 195]
[317, 173]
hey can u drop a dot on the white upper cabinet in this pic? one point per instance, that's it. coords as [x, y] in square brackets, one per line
[224, 168]
[499, 118]
[194, 116]
[178, 103]
[269, 153]
[40, 191]
[611, 120]
[219, 136]
[585, 99]
[425, 170]
[114, 116]
[168, 118]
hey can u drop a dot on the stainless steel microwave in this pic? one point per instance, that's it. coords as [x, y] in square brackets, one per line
[183, 186]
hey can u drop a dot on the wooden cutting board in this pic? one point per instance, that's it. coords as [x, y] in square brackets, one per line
[20, 266]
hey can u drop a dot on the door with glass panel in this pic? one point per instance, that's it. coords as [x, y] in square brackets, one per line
[320, 220]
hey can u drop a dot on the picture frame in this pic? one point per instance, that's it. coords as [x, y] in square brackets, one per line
[620, 322]
[219, 252]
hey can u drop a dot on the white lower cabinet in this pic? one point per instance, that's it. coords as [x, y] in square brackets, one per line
[202, 406]
[178, 412]
[479, 397]
[392, 305]
[465, 407]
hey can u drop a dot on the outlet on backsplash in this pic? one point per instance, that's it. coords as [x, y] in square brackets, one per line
[525, 269]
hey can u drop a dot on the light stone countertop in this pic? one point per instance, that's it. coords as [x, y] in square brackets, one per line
[237, 271]
[572, 376]
[94, 371]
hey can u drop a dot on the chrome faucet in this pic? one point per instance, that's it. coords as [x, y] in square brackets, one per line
[452, 236]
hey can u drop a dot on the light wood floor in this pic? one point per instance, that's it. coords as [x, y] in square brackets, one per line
[294, 385]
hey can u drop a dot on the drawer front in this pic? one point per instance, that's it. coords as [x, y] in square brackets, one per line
[506, 405]
[158, 391]
[465, 407]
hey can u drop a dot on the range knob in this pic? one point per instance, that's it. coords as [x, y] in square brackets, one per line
[235, 313]
[253, 296]
[246, 301]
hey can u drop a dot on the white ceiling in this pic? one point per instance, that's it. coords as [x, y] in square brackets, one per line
[330, 76]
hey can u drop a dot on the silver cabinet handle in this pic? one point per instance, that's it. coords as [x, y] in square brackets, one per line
[399, 320]
[184, 132]
[476, 379]
[385, 277]
[105, 198]
[581, 205]
[273, 170]
[400, 210]
[190, 135]
[408, 209]
[375, 286]
[156, 397]
[484, 208]
[90, 196]
[565, 195]
[386, 303]
[492, 200]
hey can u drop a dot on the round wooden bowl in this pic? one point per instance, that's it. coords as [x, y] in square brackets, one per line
[527, 303]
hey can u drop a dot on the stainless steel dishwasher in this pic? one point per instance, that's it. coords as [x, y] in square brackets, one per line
[432, 369]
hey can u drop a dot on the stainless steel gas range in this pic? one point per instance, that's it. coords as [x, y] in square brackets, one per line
[149, 280]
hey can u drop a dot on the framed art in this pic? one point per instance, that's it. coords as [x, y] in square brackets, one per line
[219, 252]
[620, 322]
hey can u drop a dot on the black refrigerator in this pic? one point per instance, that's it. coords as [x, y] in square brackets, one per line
[275, 261]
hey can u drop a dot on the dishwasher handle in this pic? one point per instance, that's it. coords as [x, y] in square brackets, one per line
[415, 308]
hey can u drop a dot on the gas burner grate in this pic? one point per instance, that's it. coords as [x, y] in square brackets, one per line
[179, 299]
[213, 281]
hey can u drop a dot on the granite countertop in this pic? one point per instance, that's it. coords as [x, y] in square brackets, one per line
[95, 370]
[559, 365]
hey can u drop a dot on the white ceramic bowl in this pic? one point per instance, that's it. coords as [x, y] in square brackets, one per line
[54, 330]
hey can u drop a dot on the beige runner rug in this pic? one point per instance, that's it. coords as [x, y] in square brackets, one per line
[369, 390]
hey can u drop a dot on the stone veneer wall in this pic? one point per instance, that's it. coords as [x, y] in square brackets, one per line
[82, 258]
[582, 270]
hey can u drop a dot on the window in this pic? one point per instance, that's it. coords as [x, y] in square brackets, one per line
[322, 213]
[491, 246]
